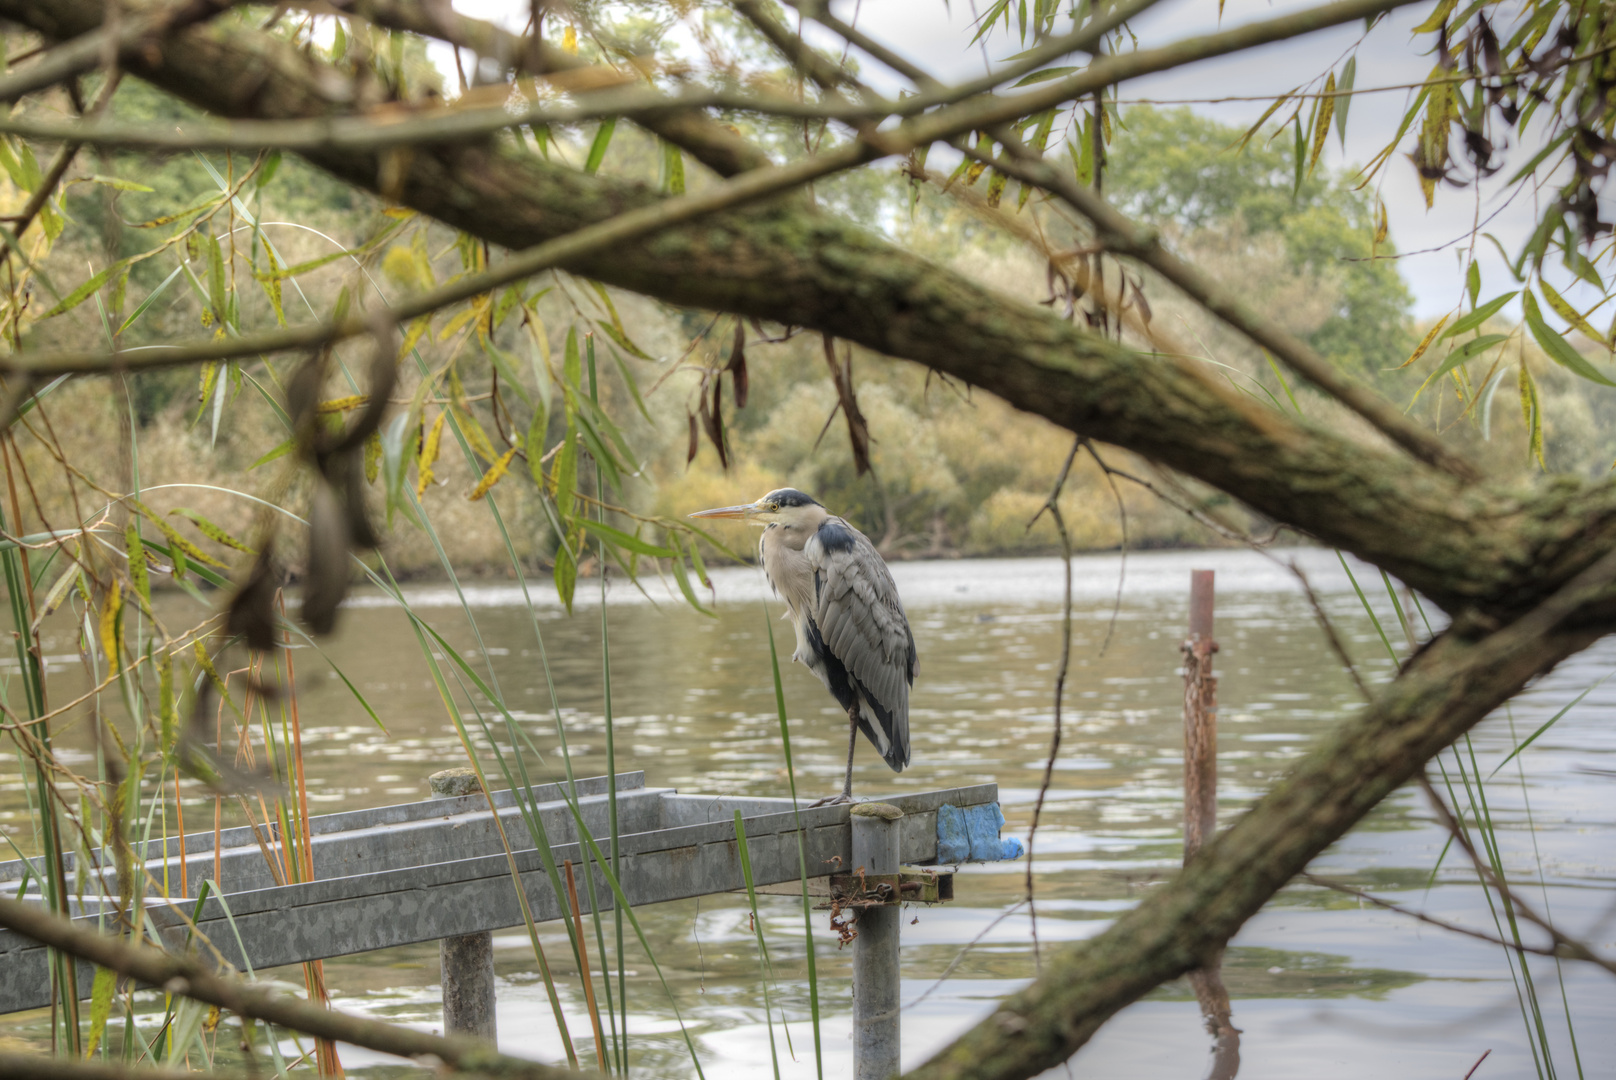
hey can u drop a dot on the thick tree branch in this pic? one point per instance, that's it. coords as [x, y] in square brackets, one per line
[1445, 690]
[1462, 545]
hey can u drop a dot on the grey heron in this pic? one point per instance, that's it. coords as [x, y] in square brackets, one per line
[851, 629]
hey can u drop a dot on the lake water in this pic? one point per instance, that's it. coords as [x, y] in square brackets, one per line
[1323, 985]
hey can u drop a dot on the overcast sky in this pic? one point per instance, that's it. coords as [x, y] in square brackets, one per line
[936, 36]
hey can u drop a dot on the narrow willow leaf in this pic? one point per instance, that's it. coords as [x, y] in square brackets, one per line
[474, 434]
[60, 590]
[673, 169]
[1425, 342]
[1321, 123]
[341, 404]
[212, 531]
[216, 284]
[373, 456]
[536, 430]
[1532, 414]
[597, 149]
[278, 452]
[178, 543]
[1240, 143]
[1444, 8]
[621, 339]
[1298, 155]
[1463, 354]
[1558, 348]
[1585, 270]
[1479, 316]
[1349, 72]
[683, 580]
[565, 575]
[412, 337]
[571, 364]
[272, 287]
[495, 472]
[429, 454]
[1044, 75]
[564, 475]
[83, 292]
[623, 540]
[1563, 308]
[1473, 282]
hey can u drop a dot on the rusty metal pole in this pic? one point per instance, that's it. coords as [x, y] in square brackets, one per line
[468, 960]
[1201, 807]
[1200, 719]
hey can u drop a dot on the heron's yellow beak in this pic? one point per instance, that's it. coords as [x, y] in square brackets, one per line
[728, 512]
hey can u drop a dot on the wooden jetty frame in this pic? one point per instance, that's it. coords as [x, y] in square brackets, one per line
[436, 870]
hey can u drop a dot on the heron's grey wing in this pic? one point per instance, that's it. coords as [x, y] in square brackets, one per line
[860, 619]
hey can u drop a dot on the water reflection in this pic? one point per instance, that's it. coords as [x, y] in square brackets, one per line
[1321, 987]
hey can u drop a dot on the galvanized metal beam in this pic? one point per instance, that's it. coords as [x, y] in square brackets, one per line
[383, 901]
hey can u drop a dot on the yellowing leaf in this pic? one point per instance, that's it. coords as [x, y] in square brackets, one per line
[569, 40]
[1562, 307]
[1321, 123]
[110, 610]
[106, 980]
[1425, 343]
[429, 454]
[1438, 17]
[495, 472]
[341, 404]
[212, 531]
[137, 561]
[413, 336]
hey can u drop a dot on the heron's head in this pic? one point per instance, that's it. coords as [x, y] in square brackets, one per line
[786, 507]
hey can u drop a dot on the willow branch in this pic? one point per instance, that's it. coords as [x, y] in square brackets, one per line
[1557, 950]
[1122, 236]
[383, 130]
[188, 977]
[87, 51]
[715, 146]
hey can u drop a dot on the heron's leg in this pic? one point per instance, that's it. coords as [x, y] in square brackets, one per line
[852, 744]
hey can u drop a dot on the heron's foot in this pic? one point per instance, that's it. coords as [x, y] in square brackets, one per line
[833, 800]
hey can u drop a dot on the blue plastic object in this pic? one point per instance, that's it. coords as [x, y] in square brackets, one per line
[971, 834]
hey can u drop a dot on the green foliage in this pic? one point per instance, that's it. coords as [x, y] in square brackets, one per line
[1184, 172]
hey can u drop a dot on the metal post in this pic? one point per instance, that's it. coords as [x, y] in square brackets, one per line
[1200, 719]
[876, 828]
[467, 961]
[1201, 807]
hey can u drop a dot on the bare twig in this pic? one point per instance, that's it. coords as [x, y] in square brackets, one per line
[1052, 505]
[1565, 946]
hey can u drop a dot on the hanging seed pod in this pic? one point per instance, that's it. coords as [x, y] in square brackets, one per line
[251, 611]
[327, 571]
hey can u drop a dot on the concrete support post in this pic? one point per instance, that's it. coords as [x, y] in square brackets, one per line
[875, 951]
[467, 961]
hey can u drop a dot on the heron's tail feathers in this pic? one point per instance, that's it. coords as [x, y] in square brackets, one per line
[888, 733]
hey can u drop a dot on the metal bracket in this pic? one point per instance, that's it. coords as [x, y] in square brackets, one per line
[861, 890]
